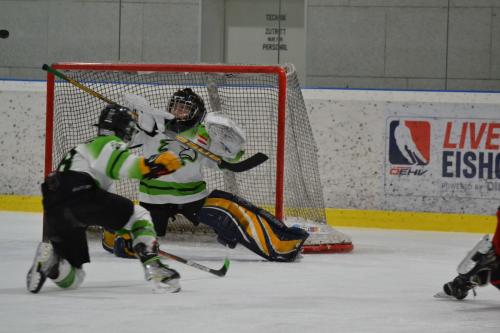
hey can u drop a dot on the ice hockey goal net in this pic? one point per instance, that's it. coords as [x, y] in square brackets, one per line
[266, 101]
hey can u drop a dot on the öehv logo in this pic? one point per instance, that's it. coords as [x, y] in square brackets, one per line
[409, 147]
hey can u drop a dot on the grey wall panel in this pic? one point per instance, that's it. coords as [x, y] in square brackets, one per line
[312, 3]
[469, 43]
[160, 31]
[83, 31]
[171, 32]
[178, 2]
[132, 30]
[400, 3]
[349, 82]
[416, 42]
[27, 23]
[355, 43]
[473, 85]
[34, 72]
[212, 31]
[345, 41]
[475, 3]
[426, 84]
[495, 44]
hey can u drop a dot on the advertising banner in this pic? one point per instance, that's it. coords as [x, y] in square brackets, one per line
[453, 153]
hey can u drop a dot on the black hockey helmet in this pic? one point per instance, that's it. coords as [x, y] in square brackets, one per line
[117, 120]
[188, 109]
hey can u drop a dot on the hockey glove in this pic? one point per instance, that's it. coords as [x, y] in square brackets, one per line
[160, 164]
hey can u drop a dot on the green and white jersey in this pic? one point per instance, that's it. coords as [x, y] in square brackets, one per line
[105, 158]
[185, 184]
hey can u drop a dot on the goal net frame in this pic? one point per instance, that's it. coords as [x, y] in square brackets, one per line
[282, 74]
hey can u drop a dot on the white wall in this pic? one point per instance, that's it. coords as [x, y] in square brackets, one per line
[353, 132]
[22, 136]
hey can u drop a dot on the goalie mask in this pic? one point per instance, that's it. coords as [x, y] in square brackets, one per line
[188, 110]
[117, 120]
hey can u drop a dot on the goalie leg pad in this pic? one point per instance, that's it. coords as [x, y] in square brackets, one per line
[108, 240]
[123, 247]
[236, 220]
[119, 243]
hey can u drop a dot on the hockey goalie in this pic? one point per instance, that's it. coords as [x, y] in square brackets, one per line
[234, 220]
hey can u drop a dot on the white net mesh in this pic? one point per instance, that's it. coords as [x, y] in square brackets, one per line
[250, 98]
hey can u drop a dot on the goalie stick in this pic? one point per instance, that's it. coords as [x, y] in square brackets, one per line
[249, 163]
[219, 272]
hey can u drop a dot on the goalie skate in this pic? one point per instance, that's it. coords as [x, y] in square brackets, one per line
[44, 263]
[322, 237]
[163, 278]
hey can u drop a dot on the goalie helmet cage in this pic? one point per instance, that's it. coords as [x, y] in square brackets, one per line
[266, 101]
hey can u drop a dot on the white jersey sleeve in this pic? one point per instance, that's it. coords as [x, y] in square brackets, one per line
[106, 159]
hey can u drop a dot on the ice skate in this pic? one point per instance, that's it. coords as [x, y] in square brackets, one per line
[459, 287]
[163, 278]
[474, 270]
[44, 264]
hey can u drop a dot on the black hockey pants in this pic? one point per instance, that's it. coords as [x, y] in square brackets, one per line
[161, 214]
[72, 201]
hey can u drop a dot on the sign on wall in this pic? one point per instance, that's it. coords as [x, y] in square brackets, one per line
[443, 155]
[263, 32]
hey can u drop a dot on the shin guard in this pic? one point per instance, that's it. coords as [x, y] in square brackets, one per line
[69, 277]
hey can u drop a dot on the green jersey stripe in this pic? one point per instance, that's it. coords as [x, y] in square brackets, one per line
[115, 162]
[176, 189]
[96, 145]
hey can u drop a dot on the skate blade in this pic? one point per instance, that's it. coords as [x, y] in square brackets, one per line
[443, 295]
[34, 279]
[171, 286]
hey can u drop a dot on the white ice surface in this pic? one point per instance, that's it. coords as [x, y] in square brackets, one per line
[385, 285]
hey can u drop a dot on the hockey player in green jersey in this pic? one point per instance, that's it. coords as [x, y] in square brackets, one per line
[79, 194]
[235, 220]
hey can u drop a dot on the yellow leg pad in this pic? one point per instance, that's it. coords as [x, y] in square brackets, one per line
[254, 226]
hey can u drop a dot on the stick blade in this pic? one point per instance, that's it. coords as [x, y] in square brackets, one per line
[245, 165]
[222, 272]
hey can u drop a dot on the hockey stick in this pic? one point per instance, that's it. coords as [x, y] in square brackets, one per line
[242, 166]
[219, 272]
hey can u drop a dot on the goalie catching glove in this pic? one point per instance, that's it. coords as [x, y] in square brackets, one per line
[159, 165]
[227, 138]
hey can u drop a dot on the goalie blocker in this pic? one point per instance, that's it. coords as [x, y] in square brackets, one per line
[236, 220]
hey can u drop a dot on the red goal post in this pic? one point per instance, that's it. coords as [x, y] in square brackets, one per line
[266, 101]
